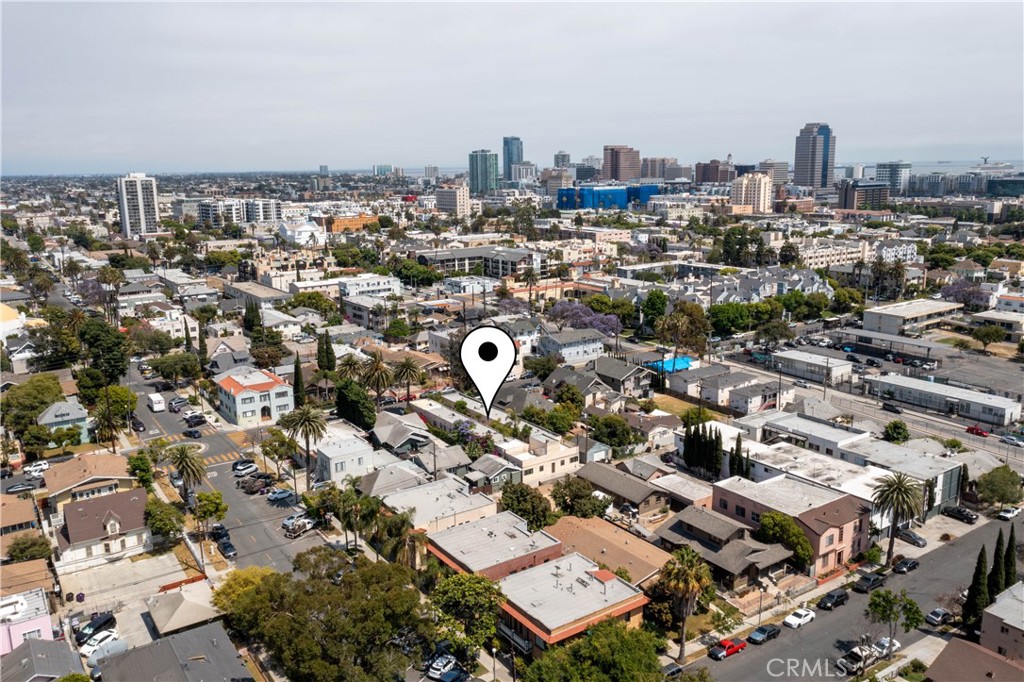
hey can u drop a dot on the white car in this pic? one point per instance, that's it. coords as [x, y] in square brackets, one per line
[39, 466]
[246, 470]
[881, 647]
[1008, 513]
[279, 494]
[798, 618]
[98, 640]
[190, 413]
[290, 520]
[440, 666]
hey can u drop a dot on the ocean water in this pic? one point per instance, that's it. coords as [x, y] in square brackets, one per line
[953, 166]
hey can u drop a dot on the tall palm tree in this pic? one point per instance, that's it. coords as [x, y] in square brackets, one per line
[406, 372]
[189, 465]
[109, 421]
[349, 367]
[901, 496]
[686, 576]
[530, 278]
[306, 422]
[377, 375]
[113, 278]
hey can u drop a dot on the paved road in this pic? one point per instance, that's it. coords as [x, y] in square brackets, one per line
[946, 569]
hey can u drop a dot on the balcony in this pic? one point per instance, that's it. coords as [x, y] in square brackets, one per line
[517, 641]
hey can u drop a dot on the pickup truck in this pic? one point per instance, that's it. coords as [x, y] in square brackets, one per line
[299, 528]
[859, 659]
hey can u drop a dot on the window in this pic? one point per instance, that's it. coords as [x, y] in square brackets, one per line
[755, 517]
[1003, 630]
[248, 401]
[828, 451]
[542, 468]
[741, 511]
[360, 462]
[528, 472]
[824, 561]
[32, 634]
[265, 398]
[841, 533]
[281, 394]
[722, 504]
[339, 466]
[249, 413]
[829, 539]
[88, 551]
[574, 459]
[1001, 650]
[124, 544]
[106, 548]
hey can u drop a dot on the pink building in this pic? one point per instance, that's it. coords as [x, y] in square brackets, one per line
[24, 616]
[836, 524]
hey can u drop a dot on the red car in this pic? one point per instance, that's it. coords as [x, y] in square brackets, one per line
[977, 431]
[726, 648]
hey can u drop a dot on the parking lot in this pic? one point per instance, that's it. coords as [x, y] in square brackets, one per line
[932, 531]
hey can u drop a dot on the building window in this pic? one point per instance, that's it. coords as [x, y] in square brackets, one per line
[828, 451]
[32, 634]
[574, 459]
[528, 472]
[755, 517]
[741, 511]
[1003, 630]
[106, 548]
[248, 401]
[841, 533]
[339, 466]
[249, 413]
[824, 561]
[124, 544]
[829, 539]
[1001, 650]
[722, 504]
[281, 394]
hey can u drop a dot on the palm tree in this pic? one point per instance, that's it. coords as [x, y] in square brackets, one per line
[308, 423]
[349, 367]
[901, 496]
[686, 576]
[406, 372]
[113, 278]
[189, 465]
[530, 277]
[377, 375]
[109, 422]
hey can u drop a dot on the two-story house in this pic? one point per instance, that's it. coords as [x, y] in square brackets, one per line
[101, 530]
[574, 346]
[250, 396]
[622, 377]
[66, 414]
[81, 478]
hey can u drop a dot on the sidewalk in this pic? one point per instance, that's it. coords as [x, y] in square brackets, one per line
[926, 651]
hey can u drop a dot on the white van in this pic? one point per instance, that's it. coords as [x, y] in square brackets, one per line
[156, 402]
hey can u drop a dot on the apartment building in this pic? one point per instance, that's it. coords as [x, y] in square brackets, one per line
[754, 190]
[453, 200]
[1002, 623]
[136, 197]
[250, 396]
[907, 317]
[363, 284]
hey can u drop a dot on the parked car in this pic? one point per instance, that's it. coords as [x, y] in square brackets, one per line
[239, 463]
[977, 431]
[871, 362]
[906, 566]
[1008, 513]
[195, 420]
[938, 617]
[869, 582]
[892, 407]
[6, 472]
[834, 599]
[251, 486]
[175, 479]
[98, 640]
[250, 468]
[111, 648]
[103, 621]
[137, 425]
[916, 363]
[279, 494]
[320, 485]
[961, 514]
[440, 666]
[913, 538]
[799, 618]
[188, 414]
[20, 488]
[854, 358]
[290, 520]
[192, 433]
[299, 528]
[931, 364]
[227, 549]
[890, 357]
[36, 468]
[847, 348]
[726, 648]
[219, 532]
[886, 646]
[857, 660]
[455, 675]
[801, 383]
[764, 633]
[388, 400]
[1011, 440]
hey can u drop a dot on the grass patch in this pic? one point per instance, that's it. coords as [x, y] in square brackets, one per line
[915, 677]
[187, 561]
[675, 406]
[157, 551]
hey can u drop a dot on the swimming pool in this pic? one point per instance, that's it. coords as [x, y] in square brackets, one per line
[671, 365]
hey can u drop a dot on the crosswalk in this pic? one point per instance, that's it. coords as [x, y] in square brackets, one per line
[215, 459]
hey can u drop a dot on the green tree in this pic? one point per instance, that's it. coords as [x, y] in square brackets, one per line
[110, 420]
[177, 366]
[894, 611]
[1000, 486]
[608, 652]
[349, 366]
[23, 403]
[210, 507]
[896, 431]
[902, 497]
[1010, 559]
[277, 447]
[34, 440]
[238, 586]
[686, 576]
[307, 423]
[406, 372]
[314, 300]
[468, 605]
[29, 547]
[570, 395]
[978, 597]
[141, 467]
[542, 367]
[612, 430]
[575, 496]
[783, 529]
[653, 307]
[996, 576]
[74, 677]
[774, 331]
[164, 519]
[528, 503]
[107, 348]
[190, 466]
[789, 254]
[962, 344]
[989, 333]
[321, 563]
[561, 419]
[377, 375]
[353, 404]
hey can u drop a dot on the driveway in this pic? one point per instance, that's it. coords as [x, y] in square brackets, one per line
[932, 532]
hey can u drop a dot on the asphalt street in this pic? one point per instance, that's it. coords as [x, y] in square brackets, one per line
[948, 568]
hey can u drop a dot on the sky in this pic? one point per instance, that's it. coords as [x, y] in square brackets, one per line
[179, 87]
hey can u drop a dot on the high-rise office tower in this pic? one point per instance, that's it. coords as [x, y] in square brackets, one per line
[592, 161]
[431, 172]
[778, 171]
[815, 160]
[753, 189]
[511, 154]
[667, 168]
[483, 171]
[715, 171]
[896, 173]
[863, 194]
[620, 163]
[524, 171]
[562, 159]
[382, 169]
[323, 170]
[136, 197]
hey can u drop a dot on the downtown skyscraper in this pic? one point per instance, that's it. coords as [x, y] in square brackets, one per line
[511, 154]
[136, 198]
[815, 162]
[483, 171]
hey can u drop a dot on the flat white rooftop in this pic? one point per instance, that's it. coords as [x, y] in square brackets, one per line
[812, 359]
[934, 388]
[788, 495]
[478, 545]
[915, 308]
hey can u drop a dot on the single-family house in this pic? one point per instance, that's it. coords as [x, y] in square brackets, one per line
[66, 414]
[40, 660]
[489, 474]
[202, 653]
[81, 478]
[623, 488]
[101, 530]
[622, 377]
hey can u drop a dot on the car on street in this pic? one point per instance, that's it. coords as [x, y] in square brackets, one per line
[251, 486]
[35, 469]
[891, 407]
[714, 339]
[279, 494]
[890, 357]
[192, 433]
[961, 514]
[98, 640]
[440, 666]
[103, 621]
[834, 599]
[938, 617]
[931, 364]
[726, 648]
[219, 532]
[906, 566]
[290, 520]
[175, 479]
[239, 463]
[885, 646]
[455, 675]
[137, 425]
[671, 671]
[977, 431]
[300, 528]
[871, 362]
[20, 488]
[854, 358]
[188, 414]
[227, 549]
[798, 618]
[250, 468]
[801, 383]
[388, 400]
[869, 582]
[857, 660]
[1011, 440]
[1008, 513]
[764, 633]
[913, 538]
[195, 420]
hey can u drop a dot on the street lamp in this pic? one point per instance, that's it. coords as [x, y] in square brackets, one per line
[494, 664]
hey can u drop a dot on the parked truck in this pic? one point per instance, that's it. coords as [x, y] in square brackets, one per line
[156, 402]
[859, 659]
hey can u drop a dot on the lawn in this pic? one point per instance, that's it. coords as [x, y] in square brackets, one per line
[677, 407]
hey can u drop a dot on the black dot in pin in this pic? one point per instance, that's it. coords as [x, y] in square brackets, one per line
[488, 351]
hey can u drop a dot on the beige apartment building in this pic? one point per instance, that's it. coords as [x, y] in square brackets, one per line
[754, 190]
[454, 200]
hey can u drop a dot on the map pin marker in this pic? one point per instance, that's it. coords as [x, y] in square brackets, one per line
[488, 354]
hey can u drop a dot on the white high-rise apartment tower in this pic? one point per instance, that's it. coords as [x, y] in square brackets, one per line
[753, 189]
[896, 173]
[136, 197]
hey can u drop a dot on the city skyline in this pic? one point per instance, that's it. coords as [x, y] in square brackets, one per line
[199, 99]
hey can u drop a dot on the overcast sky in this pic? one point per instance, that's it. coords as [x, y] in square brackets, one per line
[95, 88]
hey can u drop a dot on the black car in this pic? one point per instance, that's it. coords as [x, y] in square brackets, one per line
[871, 362]
[913, 538]
[20, 488]
[388, 400]
[854, 358]
[834, 599]
[764, 634]
[869, 582]
[104, 621]
[227, 549]
[890, 407]
[239, 463]
[906, 566]
[961, 514]
[195, 420]
[137, 425]
[192, 433]
[5, 472]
